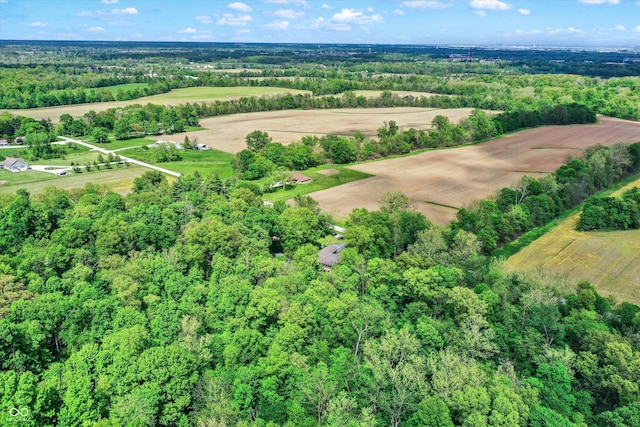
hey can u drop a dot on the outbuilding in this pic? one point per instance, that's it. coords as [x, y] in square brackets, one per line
[299, 178]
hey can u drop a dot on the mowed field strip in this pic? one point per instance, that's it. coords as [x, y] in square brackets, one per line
[442, 180]
[609, 260]
[175, 97]
[228, 133]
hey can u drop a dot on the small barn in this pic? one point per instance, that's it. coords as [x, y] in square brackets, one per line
[14, 164]
[330, 255]
[3, 142]
[299, 178]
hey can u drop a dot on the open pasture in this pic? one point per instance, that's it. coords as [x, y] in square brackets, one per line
[174, 97]
[442, 181]
[228, 133]
[609, 260]
[119, 179]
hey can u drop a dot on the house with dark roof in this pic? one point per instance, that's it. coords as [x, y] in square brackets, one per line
[330, 255]
[14, 164]
[299, 178]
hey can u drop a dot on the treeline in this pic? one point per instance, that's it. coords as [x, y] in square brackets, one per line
[611, 213]
[66, 84]
[264, 157]
[130, 121]
[533, 202]
[167, 307]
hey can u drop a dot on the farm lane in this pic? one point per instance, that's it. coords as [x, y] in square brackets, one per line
[128, 159]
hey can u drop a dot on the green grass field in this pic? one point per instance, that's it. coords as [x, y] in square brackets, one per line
[320, 182]
[78, 155]
[205, 162]
[118, 179]
[206, 92]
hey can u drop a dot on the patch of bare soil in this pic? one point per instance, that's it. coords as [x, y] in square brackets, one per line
[456, 177]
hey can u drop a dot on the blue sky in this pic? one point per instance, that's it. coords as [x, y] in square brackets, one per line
[591, 23]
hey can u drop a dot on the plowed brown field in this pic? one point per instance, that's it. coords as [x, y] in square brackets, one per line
[228, 133]
[456, 177]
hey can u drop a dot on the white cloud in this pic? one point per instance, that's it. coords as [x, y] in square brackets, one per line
[239, 6]
[114, 12]
[127, 11]
[356, 16]
[524, 11]
[426, 4]
[489, 5]
[325, 6]
[620, 28]
[109, 1]
[637, 29]
[233, 20]
[569, 30]
[38, 24]
[188, 30]
[288, 14]
[521, 32]
[599, 1]
[95, 30]
[204, 19]
[277, 25]
[398, 12]
[325, 23]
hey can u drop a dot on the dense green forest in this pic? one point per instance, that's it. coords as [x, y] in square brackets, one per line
[191, 302]
[612, 213]
[168, 307]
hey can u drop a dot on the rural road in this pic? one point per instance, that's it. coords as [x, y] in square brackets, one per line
[130, 160]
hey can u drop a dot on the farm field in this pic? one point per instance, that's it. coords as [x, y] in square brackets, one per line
[442, 181]
[609, 260]
[228, 133]
[174, 97]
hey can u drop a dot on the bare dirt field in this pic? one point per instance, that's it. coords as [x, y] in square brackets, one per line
[228, 133]
[456, 177]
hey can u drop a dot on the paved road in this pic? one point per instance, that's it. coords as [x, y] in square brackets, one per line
[127, 159]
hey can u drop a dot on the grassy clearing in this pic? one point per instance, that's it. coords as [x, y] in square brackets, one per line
[609, 260]
[78, 155]
[125, 87]
[118, 179]
[206, 92]
[320, 182]
[115, 144]
[205, 162]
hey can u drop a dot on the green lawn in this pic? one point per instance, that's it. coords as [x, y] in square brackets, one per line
[119, 179]
[320, 182]
[115, 144]
[206, 92]
[205, 162]
[79, 155]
